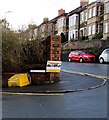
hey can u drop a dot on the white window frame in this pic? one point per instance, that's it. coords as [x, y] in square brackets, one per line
[106, 27]
[93, 29]
[89, 30]
[90, 12]
[73, 20]
[85, 16]
[82, 16]
[70, 21]
[94, 11]
[70, 35]
[107, 7]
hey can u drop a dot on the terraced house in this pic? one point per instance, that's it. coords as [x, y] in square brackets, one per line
[83, 20]
[86, 22]
[73, 17]
[91, 21]
[106, 19]
[95, 20]
[60, 22]
[83, 23]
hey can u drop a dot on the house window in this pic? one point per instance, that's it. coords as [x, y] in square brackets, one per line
[85, 16]
[93, 29]
[58, 24]
[71, 21]
[76, 20]
[107, 27]
[107, 7]
[90, 13]
[94, 11]
[64, 22]
[82, 16]
[100, 27]
[70, 35]
[89, 30]
[76, 34]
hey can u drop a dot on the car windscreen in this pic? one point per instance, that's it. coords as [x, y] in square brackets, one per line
[106, 52]
[86, 52]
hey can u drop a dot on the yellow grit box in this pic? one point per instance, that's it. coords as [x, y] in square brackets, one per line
[18, 80]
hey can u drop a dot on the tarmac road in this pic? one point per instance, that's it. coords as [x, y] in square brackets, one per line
[92, 68]
[85, 104]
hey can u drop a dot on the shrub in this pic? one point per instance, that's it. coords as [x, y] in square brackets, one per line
[97, 36]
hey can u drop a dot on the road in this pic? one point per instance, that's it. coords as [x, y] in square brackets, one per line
[85, 104]
[92, 68]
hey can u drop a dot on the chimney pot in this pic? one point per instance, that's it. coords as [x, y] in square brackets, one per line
[61, 11]
[84, 2]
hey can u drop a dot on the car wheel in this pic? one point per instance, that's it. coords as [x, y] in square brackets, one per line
[81, 60]
[70, 60]
[101, 60]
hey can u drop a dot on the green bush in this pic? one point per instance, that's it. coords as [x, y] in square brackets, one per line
[97, 36]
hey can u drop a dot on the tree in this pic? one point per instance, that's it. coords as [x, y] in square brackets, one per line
[10, 50]
[18, 52]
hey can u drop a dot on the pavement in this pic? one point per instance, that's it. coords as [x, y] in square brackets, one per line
[69, 82]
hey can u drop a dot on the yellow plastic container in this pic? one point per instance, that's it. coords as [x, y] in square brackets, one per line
[18, 80]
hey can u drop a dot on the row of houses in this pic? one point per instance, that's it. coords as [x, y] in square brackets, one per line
[88, 21]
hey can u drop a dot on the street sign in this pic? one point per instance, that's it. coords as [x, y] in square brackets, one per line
[53, 66]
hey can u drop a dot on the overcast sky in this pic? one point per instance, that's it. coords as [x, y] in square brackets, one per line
[24, 12]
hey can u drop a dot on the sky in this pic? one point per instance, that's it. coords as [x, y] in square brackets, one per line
[23, 12]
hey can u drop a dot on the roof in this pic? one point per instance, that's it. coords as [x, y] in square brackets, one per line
[85, 7]
[77, 10]
[55, 19]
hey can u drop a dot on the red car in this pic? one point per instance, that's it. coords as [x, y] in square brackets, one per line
[81, 56]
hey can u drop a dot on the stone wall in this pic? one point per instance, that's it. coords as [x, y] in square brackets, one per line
[97, 46]
[86, 44]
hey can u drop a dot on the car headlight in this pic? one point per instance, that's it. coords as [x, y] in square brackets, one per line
[86, 56]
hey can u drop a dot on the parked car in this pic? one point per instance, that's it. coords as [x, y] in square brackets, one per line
[104, 57]
[81, 56]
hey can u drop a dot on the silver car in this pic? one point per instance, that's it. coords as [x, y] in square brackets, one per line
[104, 57]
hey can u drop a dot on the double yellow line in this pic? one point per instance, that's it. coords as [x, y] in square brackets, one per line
[88, 74]
[56, 94]
[33, 94]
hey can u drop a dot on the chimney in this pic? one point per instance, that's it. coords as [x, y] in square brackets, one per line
[61, 11]
[45, 20]
[84, 2]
